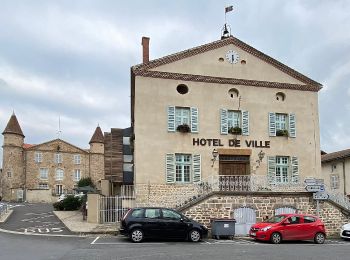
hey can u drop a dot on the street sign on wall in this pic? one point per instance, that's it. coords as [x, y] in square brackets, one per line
[321, 195]
[315, 187]
[313, 181]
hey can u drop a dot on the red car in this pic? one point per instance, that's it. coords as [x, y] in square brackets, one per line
[289, 227]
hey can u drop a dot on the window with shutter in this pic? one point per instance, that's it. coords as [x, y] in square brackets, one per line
[292, 127]
[196, 168]
[223, 122]
[245, 123]
[271, 171]
[171, 119]
[272, 124]
[194, 120]
[170, 168]
[295, 170]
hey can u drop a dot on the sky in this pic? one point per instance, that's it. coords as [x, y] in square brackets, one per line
[69, 61]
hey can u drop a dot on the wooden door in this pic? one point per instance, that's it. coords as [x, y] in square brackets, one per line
[233, 169]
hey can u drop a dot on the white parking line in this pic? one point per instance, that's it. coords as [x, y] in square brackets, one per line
[93, 242]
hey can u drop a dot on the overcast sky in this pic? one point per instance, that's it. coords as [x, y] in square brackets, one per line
[72, 59]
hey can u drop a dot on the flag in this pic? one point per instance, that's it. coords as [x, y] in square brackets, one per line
[228, 9]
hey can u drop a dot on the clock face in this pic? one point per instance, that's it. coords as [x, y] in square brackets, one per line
[232, 56]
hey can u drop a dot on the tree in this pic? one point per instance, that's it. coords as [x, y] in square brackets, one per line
[86, 182]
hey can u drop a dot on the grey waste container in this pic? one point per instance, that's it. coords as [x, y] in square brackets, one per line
[223, 228]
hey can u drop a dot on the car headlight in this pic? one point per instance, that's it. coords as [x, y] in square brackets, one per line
[266, 228]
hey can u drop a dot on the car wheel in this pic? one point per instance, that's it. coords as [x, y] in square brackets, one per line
[194, 235]
[276, 238]
[136, 235]
[319, 238]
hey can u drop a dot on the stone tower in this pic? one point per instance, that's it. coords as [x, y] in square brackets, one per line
[97, 156]
[13, 177]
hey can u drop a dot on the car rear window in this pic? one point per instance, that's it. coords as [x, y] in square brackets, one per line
[137, 213]
[308, 219]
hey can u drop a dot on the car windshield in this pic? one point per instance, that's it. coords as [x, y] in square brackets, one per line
[275, 219]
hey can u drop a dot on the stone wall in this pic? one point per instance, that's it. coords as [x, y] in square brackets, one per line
[37, 196]
[223, 206]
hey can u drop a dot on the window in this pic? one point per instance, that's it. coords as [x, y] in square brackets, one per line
[9, 174]
[233, 119]
[294, 220]
[59, 174]
[77, 175]
[44, 173]
[38, 157]
[309, 219]
[58, 158]
[137, 213]
[169, 214]
[59, 189]
[281, 122]
[334, 180]
[281, 169]
[77, 159]
[43, 186]
[126, 140]
[152, 213]
[183, 168]
[182, 116]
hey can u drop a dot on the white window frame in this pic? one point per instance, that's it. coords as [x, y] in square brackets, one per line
[59, 174]
[9, 174]
[334, 181]
[58, 158]
[180, 116]
[77, 175]
[59, 189]
[43, 186]
[183, 168]
[44, 173]
[282, 170]
[38, 157]
[281, 121]
[77, 159]
[234, 119]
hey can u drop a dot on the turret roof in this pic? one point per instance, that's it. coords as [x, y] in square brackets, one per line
[97, 136]
[13, 126]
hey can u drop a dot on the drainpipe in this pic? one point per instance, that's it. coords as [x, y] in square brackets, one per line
[344, 177]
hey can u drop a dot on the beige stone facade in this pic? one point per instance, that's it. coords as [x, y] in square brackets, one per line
[50, 168]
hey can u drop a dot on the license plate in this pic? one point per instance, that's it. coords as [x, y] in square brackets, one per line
[253, 234]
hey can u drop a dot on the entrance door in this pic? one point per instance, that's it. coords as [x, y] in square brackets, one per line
[232, 168]
[245, 218]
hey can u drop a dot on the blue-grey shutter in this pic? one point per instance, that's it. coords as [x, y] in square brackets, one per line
[170, 168]
[271, 171]
[194, 120]
[295, 170]
[245, 123]
[196, 168]
[272, 124]
[223, 122]
[171, 119]
[292, 128]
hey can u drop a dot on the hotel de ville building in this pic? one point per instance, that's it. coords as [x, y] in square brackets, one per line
[223, 130]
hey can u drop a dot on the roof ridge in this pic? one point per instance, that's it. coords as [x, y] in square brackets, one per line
[218, 44]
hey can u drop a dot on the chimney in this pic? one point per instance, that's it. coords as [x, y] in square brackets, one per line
[145, 49]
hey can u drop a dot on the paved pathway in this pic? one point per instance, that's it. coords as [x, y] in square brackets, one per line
[34, 219]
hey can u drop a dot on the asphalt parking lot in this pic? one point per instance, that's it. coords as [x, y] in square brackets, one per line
[34, 219]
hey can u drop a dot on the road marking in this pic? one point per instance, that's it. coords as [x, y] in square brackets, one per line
[36, 234]
[93, 242]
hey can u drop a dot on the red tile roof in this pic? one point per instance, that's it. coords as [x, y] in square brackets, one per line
[335, 156]
[143, 69]
[26, 146]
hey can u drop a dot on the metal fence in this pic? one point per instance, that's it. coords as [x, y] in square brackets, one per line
[112, 209]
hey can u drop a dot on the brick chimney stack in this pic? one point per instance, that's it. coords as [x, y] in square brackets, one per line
[145, 49]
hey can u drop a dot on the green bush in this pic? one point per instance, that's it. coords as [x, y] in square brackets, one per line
[69, 203]
[85, 182]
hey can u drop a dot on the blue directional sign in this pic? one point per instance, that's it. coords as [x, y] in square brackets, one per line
[315, 188]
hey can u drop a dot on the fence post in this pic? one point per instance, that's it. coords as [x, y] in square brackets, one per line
[93, 208]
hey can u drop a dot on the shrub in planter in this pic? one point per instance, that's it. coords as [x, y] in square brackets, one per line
[282, 133]
[183, 128]
[58, 205]
[71, 203]
[235, 130]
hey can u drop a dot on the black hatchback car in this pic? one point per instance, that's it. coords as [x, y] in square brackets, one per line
[164, 223]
